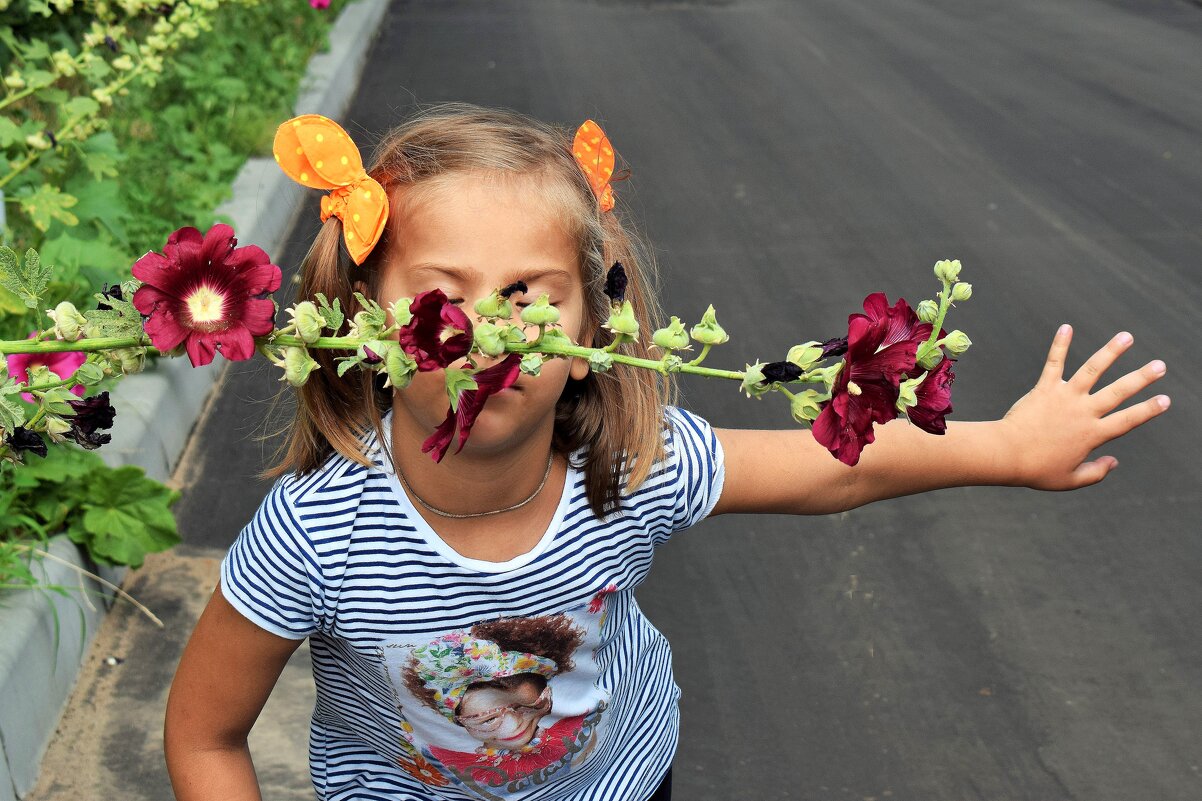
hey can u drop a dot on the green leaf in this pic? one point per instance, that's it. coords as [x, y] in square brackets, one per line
[458, 381]
[10, 133]
[127, 516]
[101, 155]
[28, 281]
[12, 412]
[78, 247]
[38, 79]
[332, 314]
[59, 466]
[48, 203]
[80, 106]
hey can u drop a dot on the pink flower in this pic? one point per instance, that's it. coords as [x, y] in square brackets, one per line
[471, 403]
[881, 347]
[439, 332]
[62, 365]
[207, 294]
[319, 3]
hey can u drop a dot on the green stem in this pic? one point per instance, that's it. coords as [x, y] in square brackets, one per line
[705, 349]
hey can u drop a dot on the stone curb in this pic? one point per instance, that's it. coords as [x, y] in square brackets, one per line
[156, 411]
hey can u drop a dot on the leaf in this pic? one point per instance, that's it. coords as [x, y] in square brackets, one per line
[127, 516]
[457, 381]
[28, 281]
[80, 106]
[60, 465]
[101, 155]
[9, 132]
[48, 203]
[332, 314]
[12, 412]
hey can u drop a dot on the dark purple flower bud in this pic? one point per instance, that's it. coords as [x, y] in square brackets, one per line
[372, 356]
[615, 284]
[777, 372]
[111, 44]
[24, 440]
[833, 347]
[516, 286]
[50, 135]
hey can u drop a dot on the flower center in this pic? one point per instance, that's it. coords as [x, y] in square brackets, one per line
[206, 307]
[853, 388]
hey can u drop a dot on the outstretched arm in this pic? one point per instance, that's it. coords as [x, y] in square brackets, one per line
[1043, 442]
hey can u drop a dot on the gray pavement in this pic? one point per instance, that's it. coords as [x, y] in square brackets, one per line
[789, 158]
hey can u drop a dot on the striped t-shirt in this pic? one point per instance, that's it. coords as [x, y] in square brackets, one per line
[444, 677]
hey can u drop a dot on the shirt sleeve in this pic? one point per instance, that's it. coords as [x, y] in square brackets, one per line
[271, 573]
[696, 466]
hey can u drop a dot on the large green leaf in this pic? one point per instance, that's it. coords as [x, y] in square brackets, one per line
[127, 517]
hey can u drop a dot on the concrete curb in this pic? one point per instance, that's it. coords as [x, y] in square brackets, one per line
[156, 411]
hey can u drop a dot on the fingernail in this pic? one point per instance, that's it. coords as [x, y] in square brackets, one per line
[1064, 329]
[1164, 401]
[1124, 338]
[1157, 367]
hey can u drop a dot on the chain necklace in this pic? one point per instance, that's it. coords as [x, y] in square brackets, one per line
[518, 505]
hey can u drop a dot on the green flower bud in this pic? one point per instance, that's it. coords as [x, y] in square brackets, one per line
[68, 322]
[297, 366]
[947, 270]
[14, 80]
[928, 311]
[805, 355]
[57, 428]
[63, 63]
[540, 312]
[129, 360]
[929, 359]
[673, 337]
[956, 342]
[400, 367]
[804, 406]
[600, 361]
[906, 396]
[753, 381]
[123, 63]
[89, 374]
[532, 363]
[623, 321]
[38, 141]
[494, 306]
[708, 332]
[961, 291]
[489, 338]
[308, 321]
[673, 363]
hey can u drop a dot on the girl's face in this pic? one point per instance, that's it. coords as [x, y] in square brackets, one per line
[469, 236]
[504, 718]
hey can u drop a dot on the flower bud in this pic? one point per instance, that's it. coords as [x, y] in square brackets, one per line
[400, 367]
[623, 321]
[753, 381]
[907, 393]
[308, 321]
[804, 406]
[123, 63]
[14, 80]
[961, 291]
[489, 338]
[708, 332]
[494, 306]
[297, 366]
[89, 374]
[130, 360]
[38, 141]
[532, 363]
[540, 312]
[929, 359]
[68, 322]
[956, 342]
[947, 271]
[64, 63]
[399, 309]
[600, 361]
[805, 355]
[673, 337]
[928, 311]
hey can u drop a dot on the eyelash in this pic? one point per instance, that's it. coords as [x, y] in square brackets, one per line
[457, 301]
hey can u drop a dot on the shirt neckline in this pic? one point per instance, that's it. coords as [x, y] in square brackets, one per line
[440, 546]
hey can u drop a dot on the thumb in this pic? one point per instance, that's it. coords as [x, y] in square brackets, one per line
[1092, 472]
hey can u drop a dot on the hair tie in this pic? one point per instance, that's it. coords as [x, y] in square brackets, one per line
[595, 156]
[316, 152]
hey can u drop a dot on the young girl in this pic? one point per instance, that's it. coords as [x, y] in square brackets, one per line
[472, 622]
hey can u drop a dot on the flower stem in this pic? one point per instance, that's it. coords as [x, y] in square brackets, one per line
[705, 349]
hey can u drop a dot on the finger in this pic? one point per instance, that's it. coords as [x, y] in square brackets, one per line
[1119, 423]
[1109, 397]
[1053, 368]
[1100, 362]
[1093, 471]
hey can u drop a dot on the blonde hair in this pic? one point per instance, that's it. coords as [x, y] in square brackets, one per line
[616, 415]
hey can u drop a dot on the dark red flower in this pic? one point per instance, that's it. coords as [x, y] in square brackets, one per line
[207, 294]
[934, 399]
[91, 414]
[426, 338]
[471, 402]
[22, 439]
[881, 348]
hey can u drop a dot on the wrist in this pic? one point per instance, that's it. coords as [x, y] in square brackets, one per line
[1008, 454]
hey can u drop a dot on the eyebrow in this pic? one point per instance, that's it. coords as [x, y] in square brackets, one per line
[528, 275]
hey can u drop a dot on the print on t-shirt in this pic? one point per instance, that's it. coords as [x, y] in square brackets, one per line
[502, 707]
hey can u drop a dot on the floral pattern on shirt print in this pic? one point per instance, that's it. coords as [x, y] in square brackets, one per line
[503, 707]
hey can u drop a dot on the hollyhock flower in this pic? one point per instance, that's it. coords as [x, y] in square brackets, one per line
[439, 332]
[207, 294]
[881, 348]
[319, 4]
[615, 284]
[62, 365]
[934, 396]
[471, 402]
[90, 414]
[22, 439]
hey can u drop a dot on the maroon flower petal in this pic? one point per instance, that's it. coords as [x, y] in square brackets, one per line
[934, 399]
[422, 338]
[471, 403]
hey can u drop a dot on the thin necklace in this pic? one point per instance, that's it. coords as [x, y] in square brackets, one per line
[519, 505]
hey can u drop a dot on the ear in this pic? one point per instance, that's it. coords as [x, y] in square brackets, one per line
[579, 369]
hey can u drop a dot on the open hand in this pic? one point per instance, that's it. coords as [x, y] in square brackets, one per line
[1056, 425]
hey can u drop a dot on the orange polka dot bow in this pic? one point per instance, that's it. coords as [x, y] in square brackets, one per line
[596, 157]
[315, 151]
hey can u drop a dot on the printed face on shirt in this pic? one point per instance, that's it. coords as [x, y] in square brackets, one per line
[505, 715]
[469, 234]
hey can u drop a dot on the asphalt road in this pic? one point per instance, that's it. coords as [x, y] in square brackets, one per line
[788, 159]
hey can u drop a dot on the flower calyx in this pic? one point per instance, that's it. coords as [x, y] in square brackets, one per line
[540, 312]
[672, 337]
